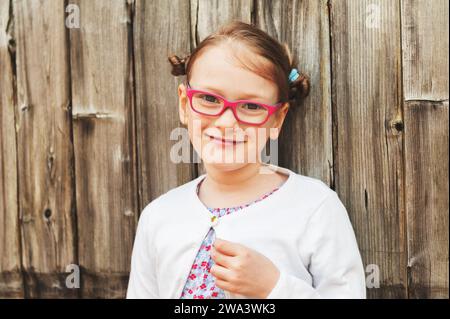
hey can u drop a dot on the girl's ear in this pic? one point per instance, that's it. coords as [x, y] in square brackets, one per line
[182, 103]
[278, 122]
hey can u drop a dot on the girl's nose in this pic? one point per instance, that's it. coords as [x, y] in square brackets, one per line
[227, 119]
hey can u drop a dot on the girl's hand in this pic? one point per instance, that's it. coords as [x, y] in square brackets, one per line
[242, 270]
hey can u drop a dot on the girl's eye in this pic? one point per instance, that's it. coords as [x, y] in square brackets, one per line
[210, 98]
[251, 106]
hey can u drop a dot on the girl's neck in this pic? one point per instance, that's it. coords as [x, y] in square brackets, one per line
[230, 180]
[233, 188]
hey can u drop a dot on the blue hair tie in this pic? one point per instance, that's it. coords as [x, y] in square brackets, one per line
[293, 75]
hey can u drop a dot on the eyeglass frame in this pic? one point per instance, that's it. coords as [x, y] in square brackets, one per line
[231, 104]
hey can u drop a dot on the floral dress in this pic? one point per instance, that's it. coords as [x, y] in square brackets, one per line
[200, 284]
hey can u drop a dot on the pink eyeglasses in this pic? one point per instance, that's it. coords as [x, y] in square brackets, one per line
[245, 111]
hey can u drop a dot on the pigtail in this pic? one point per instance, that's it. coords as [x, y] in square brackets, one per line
[298, 89]
[178, 64]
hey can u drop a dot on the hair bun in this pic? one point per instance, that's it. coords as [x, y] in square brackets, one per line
[178, 65]
[299, 88]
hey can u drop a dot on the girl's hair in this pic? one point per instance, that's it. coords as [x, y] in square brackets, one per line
[238, 33]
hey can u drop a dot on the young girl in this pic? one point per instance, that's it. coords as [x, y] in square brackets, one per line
[244, 229]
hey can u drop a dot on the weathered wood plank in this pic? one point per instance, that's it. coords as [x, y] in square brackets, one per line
[367, 123]
[45, 161]
[305, 143]
[105, 149]
[11, 282]
[425, 81]
[207, 16]
[158, 32]
[426, 151]
[425, 46]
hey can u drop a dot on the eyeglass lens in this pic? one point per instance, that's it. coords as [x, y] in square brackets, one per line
[211, 105]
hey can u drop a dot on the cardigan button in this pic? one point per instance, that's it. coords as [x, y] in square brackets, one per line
[214, 220]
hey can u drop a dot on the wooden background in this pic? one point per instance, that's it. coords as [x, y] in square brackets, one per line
[85, 118]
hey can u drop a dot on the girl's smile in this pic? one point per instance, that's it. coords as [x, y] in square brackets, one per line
[219, 140]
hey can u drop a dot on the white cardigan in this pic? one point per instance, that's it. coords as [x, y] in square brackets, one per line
[303, 228]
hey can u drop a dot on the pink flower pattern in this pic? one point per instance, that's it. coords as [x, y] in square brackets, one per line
[200, 284]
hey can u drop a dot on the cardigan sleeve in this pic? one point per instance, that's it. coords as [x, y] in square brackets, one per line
[335, 262]
[142, 282]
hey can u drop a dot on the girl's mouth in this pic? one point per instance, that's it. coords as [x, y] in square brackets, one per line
[222, 141]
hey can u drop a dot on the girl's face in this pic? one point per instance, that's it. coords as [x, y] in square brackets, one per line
[217, 71]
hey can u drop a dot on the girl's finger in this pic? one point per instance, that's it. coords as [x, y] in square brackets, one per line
[224, 285]
[221, 259]
[220, 272]
[227, 247]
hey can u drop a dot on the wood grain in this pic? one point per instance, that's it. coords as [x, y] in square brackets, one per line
[158, 34]
[425, 81]
[44, 148]
[105, 147]
[11, 283]
[367, 134]
[425, 49]
[427, 199]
